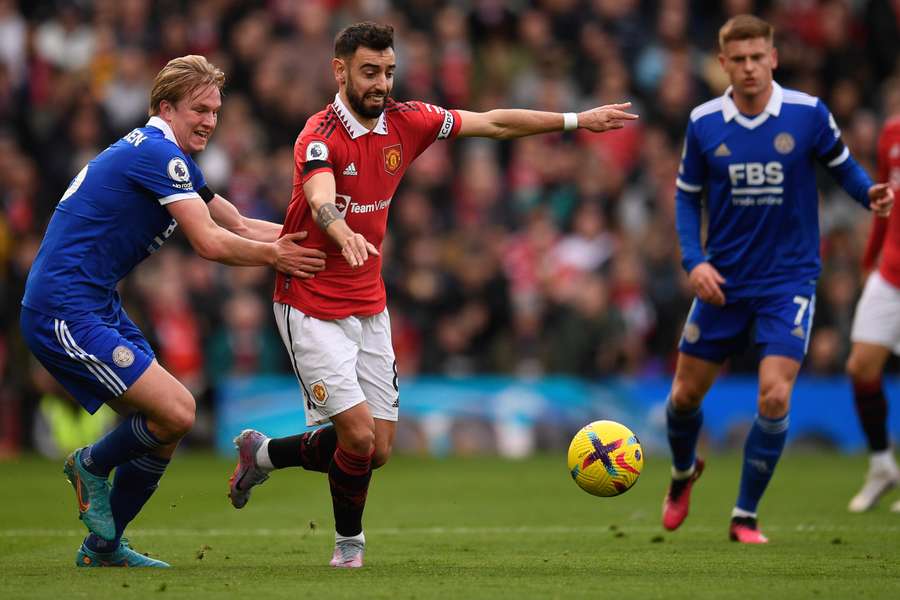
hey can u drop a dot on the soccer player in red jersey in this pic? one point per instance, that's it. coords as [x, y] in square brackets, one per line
[876, 332]
[349, 159]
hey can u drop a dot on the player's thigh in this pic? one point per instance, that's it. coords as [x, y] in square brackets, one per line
[89, 357]
[713, 333]
[376, 367]
[693, 378]
[164, 400]
[323, 356]
[777, 375]
[877, 317]
[783, 323]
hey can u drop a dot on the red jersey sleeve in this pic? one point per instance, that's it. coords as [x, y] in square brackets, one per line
[315, 149]
[430, 123]
[886, 141]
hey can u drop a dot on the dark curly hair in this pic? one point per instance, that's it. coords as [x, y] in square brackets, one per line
[366, 34]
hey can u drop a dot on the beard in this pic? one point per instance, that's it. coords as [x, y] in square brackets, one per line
[358, 104]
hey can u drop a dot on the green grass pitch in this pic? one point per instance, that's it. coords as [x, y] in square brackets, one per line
[462, 528]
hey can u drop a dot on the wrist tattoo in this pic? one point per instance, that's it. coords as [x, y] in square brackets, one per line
[326, 215]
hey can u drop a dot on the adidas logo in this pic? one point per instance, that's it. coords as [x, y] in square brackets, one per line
[350, 170]
[798, 332]
[723, 150]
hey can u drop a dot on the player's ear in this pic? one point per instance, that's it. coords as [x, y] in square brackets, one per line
[340, 70]
[774, 57]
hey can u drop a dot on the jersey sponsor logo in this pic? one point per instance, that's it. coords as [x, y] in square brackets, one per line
[319, 392]
[316, 151]
[123, 357]
[178, 171]
[722, 150]
[350, 171]
[784, 143]
[393, 158]
[342, 201]
[757, 179]
[371, 207]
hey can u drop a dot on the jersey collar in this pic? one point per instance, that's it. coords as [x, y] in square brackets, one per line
[164, 127]
[354, 127]
[773, 108]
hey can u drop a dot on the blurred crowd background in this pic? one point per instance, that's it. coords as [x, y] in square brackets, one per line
[551, 254]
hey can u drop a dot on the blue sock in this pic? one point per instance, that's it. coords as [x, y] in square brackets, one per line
[134, 483]
[684, 429]
[761, 453]
[131, 438]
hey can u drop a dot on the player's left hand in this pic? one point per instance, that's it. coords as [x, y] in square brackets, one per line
[881, 199]
[604, 118]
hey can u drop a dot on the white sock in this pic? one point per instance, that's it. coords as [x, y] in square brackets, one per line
[361, 538]
[883, 460]
[740, 512]
[678, 475]
[262, 457]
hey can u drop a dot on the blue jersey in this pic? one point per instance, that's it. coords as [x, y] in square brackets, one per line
[761, 197]
[112, 216]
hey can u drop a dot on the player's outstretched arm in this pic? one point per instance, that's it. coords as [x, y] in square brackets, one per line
[226, 215]
[508, 123]
[320, 194]
[217, 243]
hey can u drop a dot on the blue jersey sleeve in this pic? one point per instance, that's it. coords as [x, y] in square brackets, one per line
[688, 206]
[164, 171]
[831, 151]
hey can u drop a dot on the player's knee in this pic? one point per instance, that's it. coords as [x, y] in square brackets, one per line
[178, 418]
[862, 371]
[775, 399]
[381, 456]
[685, 396]
[358, 440]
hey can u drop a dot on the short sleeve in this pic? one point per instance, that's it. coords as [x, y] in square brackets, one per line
[167, 174]
[432, 123]
[313, 153]
[827, 142]
[692, 170]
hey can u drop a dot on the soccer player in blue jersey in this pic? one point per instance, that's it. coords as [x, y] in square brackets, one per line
[116, 212]
[753, 150]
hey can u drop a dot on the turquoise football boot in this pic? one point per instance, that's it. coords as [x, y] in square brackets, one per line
[92, 493]
[123, 556]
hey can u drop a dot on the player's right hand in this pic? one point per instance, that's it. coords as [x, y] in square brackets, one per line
[298, 261]
[356, 250]
[707, 283]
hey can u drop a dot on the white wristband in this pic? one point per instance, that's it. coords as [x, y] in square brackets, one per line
[570, 121]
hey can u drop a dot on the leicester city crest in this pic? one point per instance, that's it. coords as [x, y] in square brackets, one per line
[784, 143]
[123, 357]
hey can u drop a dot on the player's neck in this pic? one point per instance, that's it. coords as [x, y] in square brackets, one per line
[753, 104]
[365, 122]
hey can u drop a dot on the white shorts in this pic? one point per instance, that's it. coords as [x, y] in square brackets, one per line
[341, 363]
[877, 318]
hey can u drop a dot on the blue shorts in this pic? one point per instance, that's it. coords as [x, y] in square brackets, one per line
[779, 324]
[94, 359]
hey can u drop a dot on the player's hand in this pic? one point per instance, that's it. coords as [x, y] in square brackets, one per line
[356, 250]
[298, 261]
[707, 283]
[313, 260]
[604, 118]
[881, 199]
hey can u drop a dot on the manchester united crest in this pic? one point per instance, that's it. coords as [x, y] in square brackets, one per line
[319, 392]
[393, 158]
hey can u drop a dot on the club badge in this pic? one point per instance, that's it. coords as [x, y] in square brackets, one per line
[393, 158]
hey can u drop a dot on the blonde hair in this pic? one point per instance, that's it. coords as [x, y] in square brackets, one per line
[744, 27]
[180, 77]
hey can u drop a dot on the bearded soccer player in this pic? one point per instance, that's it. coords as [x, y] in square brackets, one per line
[876, 333]
[754, 151]
[349, 159]
[116, 212]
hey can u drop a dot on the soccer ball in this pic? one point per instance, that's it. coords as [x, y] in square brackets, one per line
[605, 458]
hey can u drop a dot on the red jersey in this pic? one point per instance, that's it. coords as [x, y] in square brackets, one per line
[886, 232]
[367, 167]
